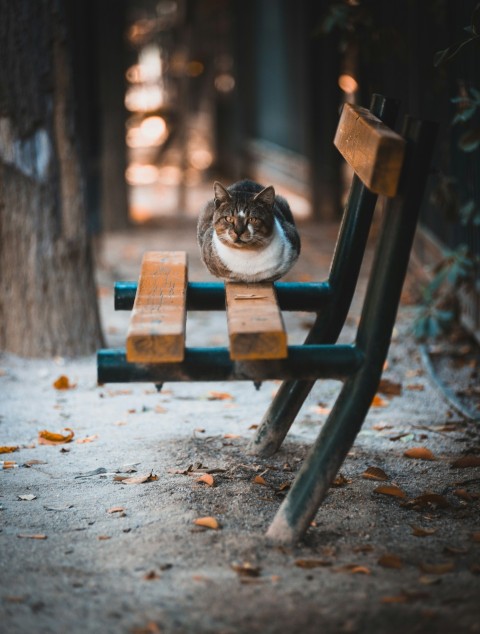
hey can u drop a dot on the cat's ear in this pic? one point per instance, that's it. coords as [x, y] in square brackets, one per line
[221, 194]
[266, 196]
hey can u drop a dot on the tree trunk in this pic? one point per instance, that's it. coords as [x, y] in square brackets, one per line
[47, 291]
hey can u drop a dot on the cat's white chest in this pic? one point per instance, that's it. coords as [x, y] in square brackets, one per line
[252, 265]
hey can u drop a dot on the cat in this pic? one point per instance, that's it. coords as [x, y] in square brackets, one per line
[247, 233]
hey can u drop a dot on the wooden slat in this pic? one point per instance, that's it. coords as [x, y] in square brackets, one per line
[374, 151]
[255, 323]
[157, 325]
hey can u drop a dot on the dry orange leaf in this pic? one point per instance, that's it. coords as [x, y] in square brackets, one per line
[419, 453]
[354, 569]
[312, 563]
[208, 479]
[87, 439]
[437, 569]
[159, 409]
[392, 490]
[390, 560]
[231, 436]
[415, 387]
[104, 537]
[50, 438]
[258, 479]
[8, 449]
[467, 461]
[418, 531]
[246, 569]
[254, 426]
[219, 396]
[400, 598]
[116, 509]
[63, 383]
[378, 401]
[36, 536]
[140, 479]
[430, 499]
[390, 387]
[374, 473]
[207, 522]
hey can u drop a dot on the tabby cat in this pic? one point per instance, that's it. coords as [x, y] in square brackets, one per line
[247, 233]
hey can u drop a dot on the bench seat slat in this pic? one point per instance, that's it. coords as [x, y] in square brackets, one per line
[373, 151]
[255, 323]
[157, 325]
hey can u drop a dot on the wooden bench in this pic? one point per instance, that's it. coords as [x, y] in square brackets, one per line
[384, 162]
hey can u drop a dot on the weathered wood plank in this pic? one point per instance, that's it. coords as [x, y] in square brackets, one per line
[373, 151]
[255, 324]
[157, 324]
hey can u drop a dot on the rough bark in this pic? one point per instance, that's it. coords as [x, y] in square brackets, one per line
[47, 291]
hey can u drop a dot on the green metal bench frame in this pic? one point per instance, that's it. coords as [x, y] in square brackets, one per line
[358, 365]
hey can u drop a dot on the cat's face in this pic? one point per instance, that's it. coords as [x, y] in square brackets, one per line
[244, 220]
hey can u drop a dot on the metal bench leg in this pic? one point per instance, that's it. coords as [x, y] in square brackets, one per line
[348, 256]
[373, 338]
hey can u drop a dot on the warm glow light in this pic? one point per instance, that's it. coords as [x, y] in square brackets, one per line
[224, 82]
[347, 83]
[152, 132]
[194, 68]
[170, 175]
[137, 174]
[143, 98]
[201, 159]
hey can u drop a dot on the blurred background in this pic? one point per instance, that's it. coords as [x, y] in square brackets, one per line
[169, 95]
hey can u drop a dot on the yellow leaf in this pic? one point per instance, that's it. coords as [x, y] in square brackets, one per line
[392, 490]
[63, 383]
[207, 522]
[50, 438]
[390, 560]
[419, 453]
[82, 441]
[8, 449]
[258, 479]
[374, 473]
[208, 479]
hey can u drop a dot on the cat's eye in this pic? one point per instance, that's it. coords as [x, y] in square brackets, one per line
[230, 219]
[256, 222]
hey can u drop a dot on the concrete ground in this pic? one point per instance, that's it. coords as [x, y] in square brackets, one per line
[84, 551]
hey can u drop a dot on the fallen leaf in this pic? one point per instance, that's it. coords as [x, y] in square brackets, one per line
[231, 436]
[340, 481]
[199, 430]
[63, 383]
[89, 474]
[354, 569]
[50, 438]
[150, 628]
[58, 508]
[28, 497]
[363, 548]
[381, 426]
[246, 569]
[8, 464]
[429, 580]
[160, 410]
[118, 392]
[82, 441]
[390, 560]
[116, 509]
[254, 426]
[284, 486]
[419, 453]
[219, 396]
[415, 387]
[392, 490]
[151, 575]
[140, 479]
[312, 563]
[466, 462]
[418, 531]
[437, 569]
[464, 495]
[207, 522]
[31, 463]
[8, 449]
[378, 401]
[390, 388]
[455, 550]
[260, 480]
[374, 473]
[104, 537]
[36, 536]
[208, 479]
[429, 499]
